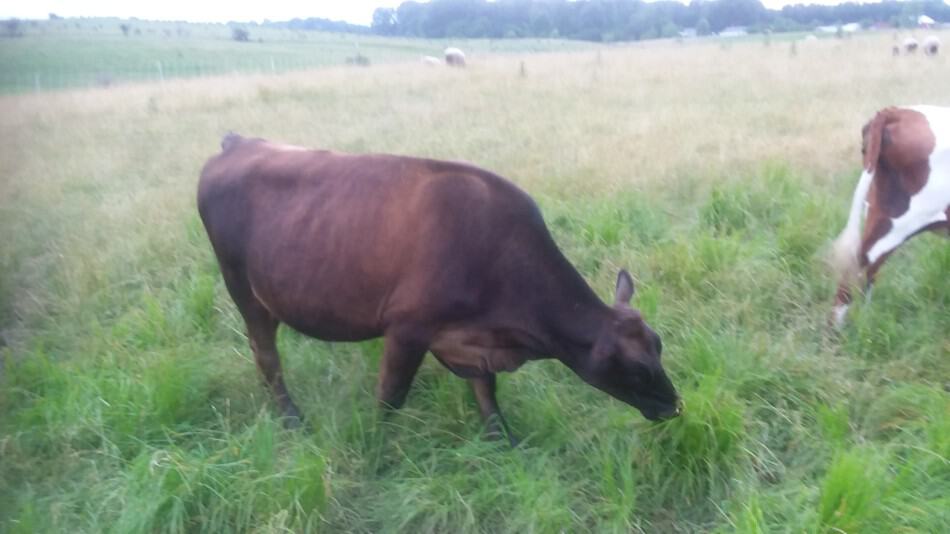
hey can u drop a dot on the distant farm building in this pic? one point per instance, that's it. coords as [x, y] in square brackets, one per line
[734, 31]
[850, 27]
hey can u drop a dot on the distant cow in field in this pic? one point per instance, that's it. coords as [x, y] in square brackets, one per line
[910, 45]
[454, 57]
[432, 256]
[931, 45]
[903, 190]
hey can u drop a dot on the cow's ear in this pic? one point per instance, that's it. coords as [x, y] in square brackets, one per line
[625, 288]
[630, 326]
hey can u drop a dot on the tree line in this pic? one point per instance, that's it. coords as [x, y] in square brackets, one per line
[629, 20]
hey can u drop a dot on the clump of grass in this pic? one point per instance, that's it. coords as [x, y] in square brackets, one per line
[834, 423]
[234, 483]
[702, 447]
[851, 493]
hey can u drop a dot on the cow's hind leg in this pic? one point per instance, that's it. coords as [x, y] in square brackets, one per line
[262, 336]
[495, 425]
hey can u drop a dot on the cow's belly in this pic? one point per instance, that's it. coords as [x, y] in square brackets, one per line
[330, 328]
[472, 353]
[329, 309]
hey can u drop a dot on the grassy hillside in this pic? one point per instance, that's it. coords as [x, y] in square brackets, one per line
[95, 52]
[717, 175]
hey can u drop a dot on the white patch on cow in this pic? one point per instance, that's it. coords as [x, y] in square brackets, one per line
[929, 205]
[839, 312]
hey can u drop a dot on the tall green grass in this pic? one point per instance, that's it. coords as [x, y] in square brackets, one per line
[130, 401]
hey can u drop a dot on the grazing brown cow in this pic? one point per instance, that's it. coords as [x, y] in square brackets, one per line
[430, 255]
[904, 190]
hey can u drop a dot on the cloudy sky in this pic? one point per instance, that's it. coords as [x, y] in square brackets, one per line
[354, 11]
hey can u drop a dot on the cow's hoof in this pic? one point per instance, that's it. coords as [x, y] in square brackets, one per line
[291, 418]
[498, 431]
[292, 422]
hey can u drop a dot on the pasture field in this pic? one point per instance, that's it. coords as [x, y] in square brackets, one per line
[94, 52]
[129, 401]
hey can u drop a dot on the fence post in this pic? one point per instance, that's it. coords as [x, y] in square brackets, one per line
[273, 67]
[36, 82]
[161, 75]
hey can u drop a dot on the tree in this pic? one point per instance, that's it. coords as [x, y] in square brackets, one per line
[725, 13]
[12, 28]
[600, 20]
[702, 27]
[240, 35]
[384, 21]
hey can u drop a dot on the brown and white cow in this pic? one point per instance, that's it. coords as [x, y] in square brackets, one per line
[430, 255]
[903, 190]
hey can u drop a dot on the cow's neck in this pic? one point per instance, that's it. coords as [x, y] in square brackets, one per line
[573, 328]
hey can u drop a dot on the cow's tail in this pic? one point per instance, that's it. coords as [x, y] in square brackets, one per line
[846, 247]
[844, 258]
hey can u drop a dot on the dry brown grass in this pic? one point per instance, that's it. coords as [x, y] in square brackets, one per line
[636, 113]
[673, 115]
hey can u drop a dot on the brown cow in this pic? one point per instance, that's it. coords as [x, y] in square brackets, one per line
[431, 255]
[905, 186]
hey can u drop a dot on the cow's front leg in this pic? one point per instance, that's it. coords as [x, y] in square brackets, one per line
[495, 425]
[401, 359]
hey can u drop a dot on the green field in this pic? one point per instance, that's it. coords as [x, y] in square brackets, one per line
[95, 52]
[129, 401]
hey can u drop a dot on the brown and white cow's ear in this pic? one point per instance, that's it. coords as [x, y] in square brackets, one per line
[625, 288]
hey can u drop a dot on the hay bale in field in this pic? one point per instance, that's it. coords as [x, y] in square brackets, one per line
[931, 45]
[910, 45]
[454, 57]
[359, 60]
[431, 61]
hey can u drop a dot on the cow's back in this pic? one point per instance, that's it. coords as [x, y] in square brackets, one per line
[341, 246]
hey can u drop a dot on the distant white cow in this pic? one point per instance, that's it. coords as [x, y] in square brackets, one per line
[910, 45]
[431, 61]
[454, 57]
[931, 45]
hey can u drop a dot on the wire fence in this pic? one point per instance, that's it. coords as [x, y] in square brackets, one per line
[50, 79]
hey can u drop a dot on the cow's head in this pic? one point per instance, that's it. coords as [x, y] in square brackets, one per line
[625, 360]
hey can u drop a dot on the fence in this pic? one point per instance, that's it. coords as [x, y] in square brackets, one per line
[24, 81]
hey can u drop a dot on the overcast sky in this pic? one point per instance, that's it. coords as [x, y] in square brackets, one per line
[354, 11]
